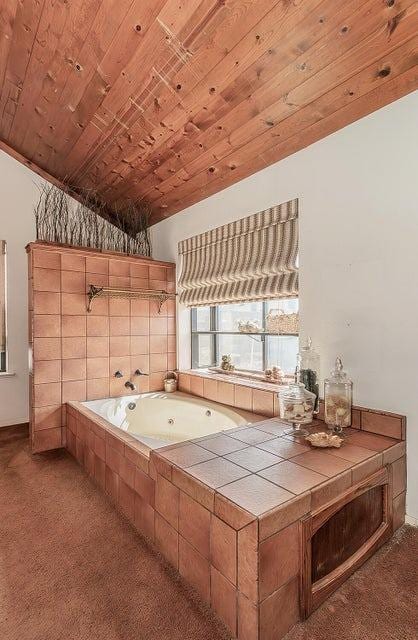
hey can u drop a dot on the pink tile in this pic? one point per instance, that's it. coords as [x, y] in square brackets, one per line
[158, 326]
[292, 477]
[46, 259]
[197, 490]
[166, 539]
[97, 280]
[97, 388]
[138, 270]
[97, 265]
[75, 390]
[223, 548]
[48, 417]
[194, 568]
[322, 463]
[247, 619]
[97, 368]
[140, 308]
[97, 347]
[74, 369]
[157, 344]
[243, 398]
[158, 362]
[277, 518]
[263, 402]
[284, 448]
[119, 307]
[72, 326]
[47, 371]
[46, 280]
[217, 472]
[157, 272]
[47, 439]
[144, 517]
[139, 345]
[47, 348]
[226, 393]
[119, 267]
[184, 382]
[119, 346]
[72, 262]
[279, 612]
[251, 435]
[248, 572]
[167, 501]
[73, 304]
[351, 452]
[194, 524]
[73, 281]
[73, 348]
[279, 560]
[254, 494]
[46, 326]
[224, 600]
[120, 326]
[112, 484]
[370, 440]
[98, 325]
[139, 326]
[145, 487]
[221, 444]
[46, 302]
[47, 394]
[172, 348]
[253, 459]
[187, 455]
[210, 389]
[196, 385]
[126, 499]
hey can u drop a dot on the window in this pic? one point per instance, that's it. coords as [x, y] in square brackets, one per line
[215, 332]
[3, 349]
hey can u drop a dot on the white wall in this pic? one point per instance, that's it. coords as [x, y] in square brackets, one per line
[18, 194]
[358, 191]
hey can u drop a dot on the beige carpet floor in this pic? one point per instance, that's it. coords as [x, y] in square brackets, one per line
[72, 568]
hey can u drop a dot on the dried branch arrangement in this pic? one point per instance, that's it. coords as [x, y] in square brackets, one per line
[87, 222]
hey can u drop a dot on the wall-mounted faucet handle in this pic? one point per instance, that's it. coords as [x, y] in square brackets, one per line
[130, 385]
[118, 374]
[138, 372]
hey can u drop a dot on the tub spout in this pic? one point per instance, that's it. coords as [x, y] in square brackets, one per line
[130, 385]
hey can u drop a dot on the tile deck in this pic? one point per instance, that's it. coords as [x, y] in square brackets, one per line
[224, 509]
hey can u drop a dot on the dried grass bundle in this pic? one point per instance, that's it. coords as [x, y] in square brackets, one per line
[88, 222]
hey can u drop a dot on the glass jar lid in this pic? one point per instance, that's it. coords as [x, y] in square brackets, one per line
[338, 374]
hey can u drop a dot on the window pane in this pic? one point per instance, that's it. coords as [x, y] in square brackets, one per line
[202, 319]
[231, 314]
[288, 305]
[204, 347]
[2, 305]
[282, 352]
[246, 351]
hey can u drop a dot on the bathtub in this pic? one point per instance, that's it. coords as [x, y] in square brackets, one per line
[158, 419]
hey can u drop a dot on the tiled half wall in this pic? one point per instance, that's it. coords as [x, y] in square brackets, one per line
[76, 353]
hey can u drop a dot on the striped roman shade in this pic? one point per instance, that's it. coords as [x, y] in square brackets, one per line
[2, 296]
[254, 258]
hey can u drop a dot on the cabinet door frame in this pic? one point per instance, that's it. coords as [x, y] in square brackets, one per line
[312, 594]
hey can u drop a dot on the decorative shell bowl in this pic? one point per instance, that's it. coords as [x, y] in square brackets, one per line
[324, 439]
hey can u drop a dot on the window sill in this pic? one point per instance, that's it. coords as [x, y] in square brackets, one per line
[234, 379]
[7, 374]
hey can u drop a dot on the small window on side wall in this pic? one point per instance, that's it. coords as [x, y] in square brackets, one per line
[3, 294]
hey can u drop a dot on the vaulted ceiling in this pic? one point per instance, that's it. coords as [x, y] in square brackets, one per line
[170, 101]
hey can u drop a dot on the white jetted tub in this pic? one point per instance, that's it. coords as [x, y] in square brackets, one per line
[159, 418]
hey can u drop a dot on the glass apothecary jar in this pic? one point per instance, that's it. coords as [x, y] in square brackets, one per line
[338, 394]
[296, 405]
[308, 363]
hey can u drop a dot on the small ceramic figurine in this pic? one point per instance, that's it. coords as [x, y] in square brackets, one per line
[226, 363]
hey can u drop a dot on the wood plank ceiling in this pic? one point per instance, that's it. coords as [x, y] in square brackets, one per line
[173, 100]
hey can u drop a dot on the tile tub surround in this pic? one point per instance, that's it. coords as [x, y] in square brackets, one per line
[261, 398]
[75, 353]
[225, 509]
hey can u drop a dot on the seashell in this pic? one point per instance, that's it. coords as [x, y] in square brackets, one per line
[324, 439]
